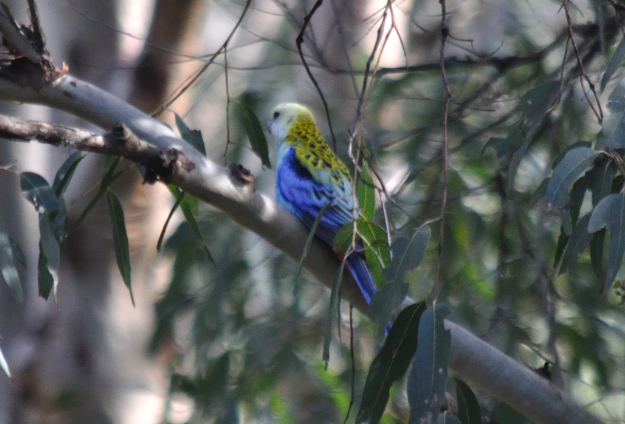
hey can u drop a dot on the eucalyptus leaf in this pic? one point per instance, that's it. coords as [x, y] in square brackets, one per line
[613, 65]
[7, 266]
[428, 377]
[407, 254]
[366, 194]
[575, 163]
[193, 137]
[255, 132]
[390, 364]
[610, 214]
[120, 240]
[66, 172]
[468, 407]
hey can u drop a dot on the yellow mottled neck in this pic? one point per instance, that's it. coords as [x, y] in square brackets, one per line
[310, 147]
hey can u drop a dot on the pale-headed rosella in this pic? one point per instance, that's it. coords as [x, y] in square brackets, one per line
[309, 176]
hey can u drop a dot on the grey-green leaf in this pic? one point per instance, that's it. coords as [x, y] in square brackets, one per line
[613, 65]
[46, 280]
[536, 102]
[579, 239]
[120, 240]
[65, 173]
[38, 192]
[612, 133]
[7, 266]
[602, 183]
[575, 163]
[49, 243]
[468, 407]
[193, 137]
[108, 177]
[515, 161]
[390, 364]
[610, 214]
[407, 255]
[254, 132]
[427, 380]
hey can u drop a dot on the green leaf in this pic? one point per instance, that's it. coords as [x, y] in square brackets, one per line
[575, 163]
[49, 243]
[193, 137]
[108, 177]
[390, 364]
[333, 310]
[468, 408]
[38, 192]
[4, 365]
[578, 240]
[534, 105]
[120, 240]
[50, 257]
[612, 135]
[505, 146]
[407, 254]
[189, 208]
[371, 235]
[65, 173]
[46, 280]
[428, 377]
[610, 214]
[366, 194]
[7, 266]
[540, 192]
[515, 161]
[613, 65]
[254, 132]
[596, 254]
[375, 238]
[108, 171]
[536, 102]
[602, 181]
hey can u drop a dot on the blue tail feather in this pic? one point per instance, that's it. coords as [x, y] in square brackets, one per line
[358, 266]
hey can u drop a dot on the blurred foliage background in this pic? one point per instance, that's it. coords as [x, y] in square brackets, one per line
[230, 341]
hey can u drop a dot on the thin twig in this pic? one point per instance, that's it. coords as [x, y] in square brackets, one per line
[351, 352]
[228, 141]
[298, 42]
[583, 76]
[441, 234]
[39, 41]
[194, 77]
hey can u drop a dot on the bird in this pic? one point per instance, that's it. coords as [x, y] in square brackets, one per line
[309, 176]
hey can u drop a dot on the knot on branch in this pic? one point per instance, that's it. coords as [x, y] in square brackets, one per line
[159, 164]
[241, 174]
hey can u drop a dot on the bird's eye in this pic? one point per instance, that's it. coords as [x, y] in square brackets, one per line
[276, 115]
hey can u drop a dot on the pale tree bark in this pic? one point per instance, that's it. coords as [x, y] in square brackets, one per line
[95, 340]
[62, 348]
[231, 190]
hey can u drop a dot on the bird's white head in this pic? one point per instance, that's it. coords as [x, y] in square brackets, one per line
[285, 115]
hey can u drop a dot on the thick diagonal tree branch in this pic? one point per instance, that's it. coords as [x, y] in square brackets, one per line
[153, 143]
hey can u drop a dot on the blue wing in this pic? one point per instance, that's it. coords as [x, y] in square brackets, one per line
[304, 196]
